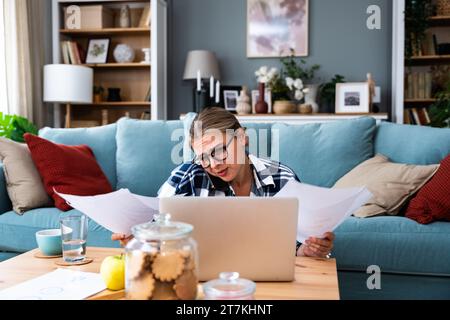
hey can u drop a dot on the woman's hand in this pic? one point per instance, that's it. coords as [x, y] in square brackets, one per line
[122, 238]
[315, 247]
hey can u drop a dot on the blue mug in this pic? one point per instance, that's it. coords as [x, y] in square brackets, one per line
[49, 242]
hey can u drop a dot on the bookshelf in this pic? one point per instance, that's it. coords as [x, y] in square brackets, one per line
[137, 81]
[420, 72]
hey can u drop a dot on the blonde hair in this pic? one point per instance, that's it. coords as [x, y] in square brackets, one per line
[213, 118]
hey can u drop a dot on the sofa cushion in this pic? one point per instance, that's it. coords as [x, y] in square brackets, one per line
[24, 184]
[17, 233]
[412, 144]
[67, 169]
[102, 141]
[432, 203]
[5, 203]
[147, 151]
[320, 154]
[395, 244]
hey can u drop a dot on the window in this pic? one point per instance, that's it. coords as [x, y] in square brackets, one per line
[3, 82]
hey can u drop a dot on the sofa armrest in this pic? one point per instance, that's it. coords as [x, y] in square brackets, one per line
[5, 203]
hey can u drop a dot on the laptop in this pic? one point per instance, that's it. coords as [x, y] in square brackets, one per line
[253, 236]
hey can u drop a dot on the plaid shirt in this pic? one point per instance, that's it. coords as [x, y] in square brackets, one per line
[192, 180]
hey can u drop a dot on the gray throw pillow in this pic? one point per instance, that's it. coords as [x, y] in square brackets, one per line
[23, 182]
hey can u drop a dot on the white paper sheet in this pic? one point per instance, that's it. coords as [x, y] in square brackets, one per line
[321, 209]
[61, 284]
[116, 211]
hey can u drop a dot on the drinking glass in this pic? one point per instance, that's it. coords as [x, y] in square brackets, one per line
[74, 235]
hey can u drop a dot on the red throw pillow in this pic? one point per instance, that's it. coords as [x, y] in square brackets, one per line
[432, 202]
[68, 169]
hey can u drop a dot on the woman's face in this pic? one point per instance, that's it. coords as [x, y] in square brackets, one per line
[224, 152]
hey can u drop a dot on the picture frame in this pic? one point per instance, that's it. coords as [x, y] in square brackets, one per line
[267, 98]
[98, 50]
[274, 27]
[230, 99]
[352, 98]
[224, 88]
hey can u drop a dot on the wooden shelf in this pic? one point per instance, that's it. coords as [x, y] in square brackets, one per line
[437, 21]
[117, 65]
[297, 118]
[424, 101]
[139, 104]
[426, 60]
[106, 31]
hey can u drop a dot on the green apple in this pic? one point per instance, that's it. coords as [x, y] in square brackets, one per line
[112, 271]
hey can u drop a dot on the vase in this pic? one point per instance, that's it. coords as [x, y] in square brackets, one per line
[125, 21]
[311, 97]
[261, 105]
[243, 103]
[304, 108]
[114, 95]
[98, 98]
[284, 107]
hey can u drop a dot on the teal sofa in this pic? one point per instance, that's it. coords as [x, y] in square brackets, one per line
[139, 155]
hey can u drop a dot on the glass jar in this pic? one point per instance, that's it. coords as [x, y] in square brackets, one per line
[161, 261]
[229, 287]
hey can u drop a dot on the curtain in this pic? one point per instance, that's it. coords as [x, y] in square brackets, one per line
[23, 29]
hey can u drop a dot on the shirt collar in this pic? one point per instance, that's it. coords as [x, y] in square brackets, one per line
[261, 173]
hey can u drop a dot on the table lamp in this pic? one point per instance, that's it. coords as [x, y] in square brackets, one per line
[68, 84]
[200, 65]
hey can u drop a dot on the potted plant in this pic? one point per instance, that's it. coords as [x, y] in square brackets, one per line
[417, 15]
[98, 94]
[328, 93]
[288, 86]
[14, 127]
[440, 110]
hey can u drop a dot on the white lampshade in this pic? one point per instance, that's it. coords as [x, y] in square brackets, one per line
[65, 83]
[202, 60]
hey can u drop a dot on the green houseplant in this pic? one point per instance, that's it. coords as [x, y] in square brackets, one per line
[417, 15]
[14, 127]
[440, 110]
[328, 92]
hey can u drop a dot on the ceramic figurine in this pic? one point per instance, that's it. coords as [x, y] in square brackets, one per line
[371, 83]
[243, 106]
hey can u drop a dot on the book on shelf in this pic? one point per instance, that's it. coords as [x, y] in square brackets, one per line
[105, 117]
[417, 116]
[145, 115]
[428, 45]
[72, 52]
[144, 21]
[65, 52]
[418, 85]
[406, 118]
[148, 95]
[427, 116]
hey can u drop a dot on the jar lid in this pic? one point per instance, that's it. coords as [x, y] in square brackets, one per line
[229, 286]
[162, 228]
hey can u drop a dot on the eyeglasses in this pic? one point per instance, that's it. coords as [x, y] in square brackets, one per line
[219, 153]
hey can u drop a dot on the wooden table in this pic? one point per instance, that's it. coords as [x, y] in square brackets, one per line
[315, 279]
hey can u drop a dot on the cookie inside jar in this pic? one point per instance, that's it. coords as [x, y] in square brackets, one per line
[161, 261]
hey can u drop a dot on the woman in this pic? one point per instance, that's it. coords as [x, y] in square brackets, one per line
[221, 167]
